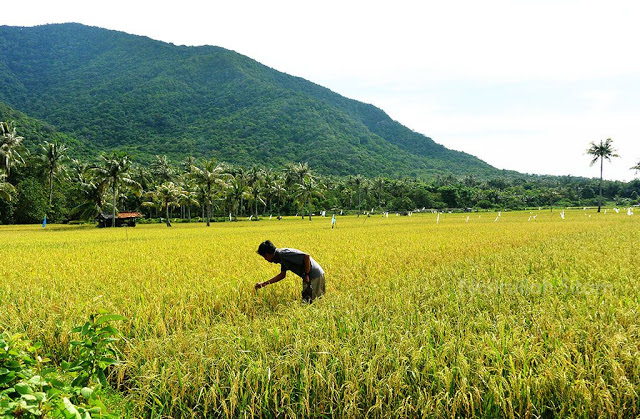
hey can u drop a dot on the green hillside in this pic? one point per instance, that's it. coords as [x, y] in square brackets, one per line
[109, 89]
[36, 132]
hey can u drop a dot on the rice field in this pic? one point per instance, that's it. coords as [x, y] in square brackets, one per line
[474, 314]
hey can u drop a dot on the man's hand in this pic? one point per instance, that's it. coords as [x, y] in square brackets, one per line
[276, 278]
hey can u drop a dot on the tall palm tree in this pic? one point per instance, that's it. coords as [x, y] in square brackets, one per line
[143, 176]
[240, 184]
[601, 151]
[345, 193]
[278, 189]
[257, 189]
[306, 191]
[378, 187]
[88, 193]
[10, 147]
[295, 175]
[186, 164]
[162, 170]
[269, 177]
[257, 196]
[188, 184]
[296, 172]
[114, 172]
[636, 167]
[189, 198]
[91, 200]
[6, 189]
[53, 158]
[210, 179]
[367, 187]
[168, 194]
[358, 181]
[236, 192]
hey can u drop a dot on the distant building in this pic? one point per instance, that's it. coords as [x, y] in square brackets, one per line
[123, 219]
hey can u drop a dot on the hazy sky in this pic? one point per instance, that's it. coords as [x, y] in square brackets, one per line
[524, 85]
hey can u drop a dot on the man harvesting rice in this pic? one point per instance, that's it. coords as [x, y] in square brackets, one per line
[297, 262]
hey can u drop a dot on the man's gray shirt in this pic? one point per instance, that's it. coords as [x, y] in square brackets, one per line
[293, 260]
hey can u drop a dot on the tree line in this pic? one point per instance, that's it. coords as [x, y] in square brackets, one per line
[50, 183]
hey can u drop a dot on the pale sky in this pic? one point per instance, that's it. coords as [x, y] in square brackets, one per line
[524, 85]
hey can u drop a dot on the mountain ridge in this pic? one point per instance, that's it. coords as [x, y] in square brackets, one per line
[147, 97]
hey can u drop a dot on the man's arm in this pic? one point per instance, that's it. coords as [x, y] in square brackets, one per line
[306, 267]
[275, 279]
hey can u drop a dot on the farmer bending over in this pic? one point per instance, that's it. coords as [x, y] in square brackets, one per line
[297, 262]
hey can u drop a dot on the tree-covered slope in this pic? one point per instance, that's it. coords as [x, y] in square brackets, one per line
[36, 132]
[114, 90]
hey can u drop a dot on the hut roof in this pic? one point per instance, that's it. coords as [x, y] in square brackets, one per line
[122, 215]
[129, 215]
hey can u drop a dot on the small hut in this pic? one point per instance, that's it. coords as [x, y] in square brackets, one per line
[123, 219]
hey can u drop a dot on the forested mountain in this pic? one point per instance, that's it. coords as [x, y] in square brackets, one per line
[35, 132]
[107, 89]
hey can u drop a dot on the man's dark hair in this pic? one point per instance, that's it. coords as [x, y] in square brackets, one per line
[266, 247]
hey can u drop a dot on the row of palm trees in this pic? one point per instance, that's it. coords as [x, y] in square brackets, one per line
[210, 185]
[12, 152]
[115, 178]
[115, 182]
[219, 186]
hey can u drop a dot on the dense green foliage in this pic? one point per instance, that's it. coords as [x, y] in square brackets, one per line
[36, 132]
[31, 205]
[195, 189]
[31, 387]
[109, 90]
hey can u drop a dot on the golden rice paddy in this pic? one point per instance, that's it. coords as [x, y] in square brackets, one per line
[519, 315]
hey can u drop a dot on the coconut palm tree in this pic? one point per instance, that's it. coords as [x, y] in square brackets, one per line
[306, 191]
[358, 181]
[186, 164]
[210, 178]
[237, 191]
[378, 187]
[601, 151]
[278, 189]
[294, 175]
[92, 196]
[269, 177]
[143, 176]
[114, 173]
[257, 189]
[89, 193]
[345, 193]
[168, 194]
[189, 198]
[367, 187]
[296, 172]
[636, 167]
[240, 183]
[162, 170]
[257, 196]
[6, 189]
[53, 158]
[10, 147]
